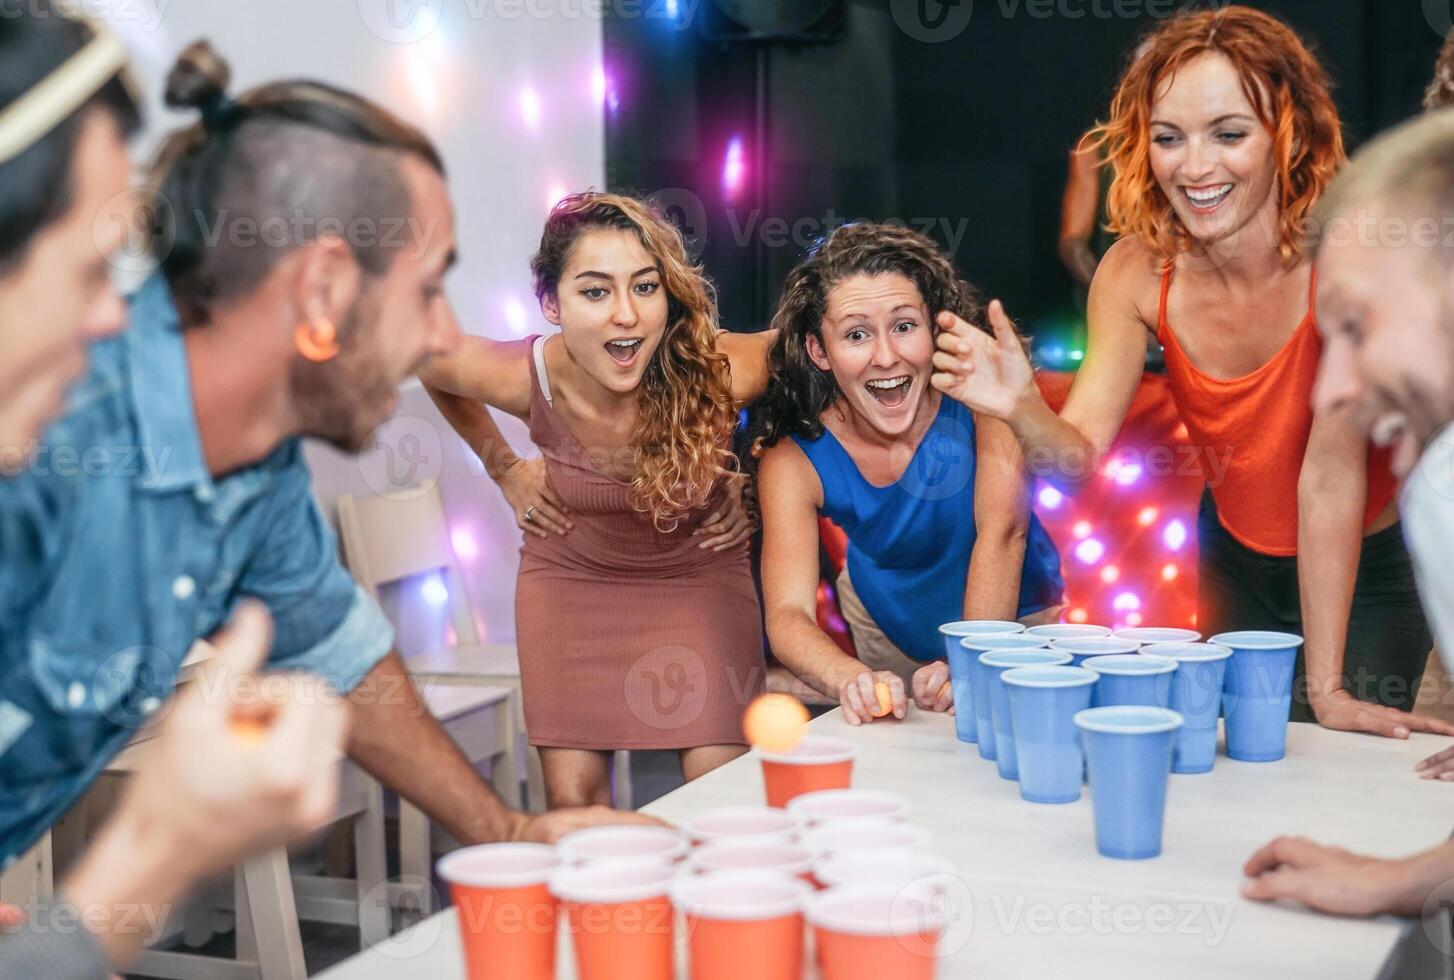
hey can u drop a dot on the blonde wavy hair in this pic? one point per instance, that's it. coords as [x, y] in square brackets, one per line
[1288, 89]
[685, 412]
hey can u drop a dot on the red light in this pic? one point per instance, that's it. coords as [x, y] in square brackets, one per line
[1133, 619]
[1110, 573]
[1169, 572]
[1147, 516]
[1082, 529]
[1078, 616]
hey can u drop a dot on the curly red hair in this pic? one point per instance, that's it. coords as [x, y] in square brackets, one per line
[1283, 81]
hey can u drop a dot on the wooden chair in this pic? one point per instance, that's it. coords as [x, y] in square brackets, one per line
[388, 539]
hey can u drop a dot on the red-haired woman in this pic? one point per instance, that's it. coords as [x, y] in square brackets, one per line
[1223, 135]
[632, 634]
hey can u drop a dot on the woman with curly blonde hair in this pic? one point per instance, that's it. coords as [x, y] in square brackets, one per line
[1223, 135]
[934, 501]
[636, 629]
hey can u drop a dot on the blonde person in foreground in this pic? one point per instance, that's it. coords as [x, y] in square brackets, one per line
[1386, 289]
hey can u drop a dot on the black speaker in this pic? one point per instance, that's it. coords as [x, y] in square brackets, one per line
[774, 21]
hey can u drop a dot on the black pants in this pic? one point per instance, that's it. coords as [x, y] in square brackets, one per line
[1388, 638]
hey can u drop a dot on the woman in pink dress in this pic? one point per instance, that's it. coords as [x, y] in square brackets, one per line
[632, 634]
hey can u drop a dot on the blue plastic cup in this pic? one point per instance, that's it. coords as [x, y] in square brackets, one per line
[1196, 694]
[1069, 631]
[1085, 648]
[1257, 692]
[973, 646]
[995, 663]
[1044, 701]
[1128, 755]
[1156, 634]
[1132, 678]
[965, 727]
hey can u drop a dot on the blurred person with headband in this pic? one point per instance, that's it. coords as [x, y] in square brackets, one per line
[220, 781]
[1386, 292]
[237, 348]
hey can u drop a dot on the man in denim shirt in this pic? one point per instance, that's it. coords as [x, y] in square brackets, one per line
[175, 486]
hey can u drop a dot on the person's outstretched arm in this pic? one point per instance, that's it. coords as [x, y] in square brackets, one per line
[1340, 882]
[790, 494]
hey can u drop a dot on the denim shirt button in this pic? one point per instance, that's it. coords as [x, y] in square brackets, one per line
[76, 694]
[183, 588]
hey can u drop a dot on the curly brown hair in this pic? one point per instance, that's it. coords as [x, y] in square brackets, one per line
[685, 412]
[1288, 89]
[1440, 93]
[798, 393]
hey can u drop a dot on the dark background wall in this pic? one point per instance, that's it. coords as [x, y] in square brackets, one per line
[962, 132]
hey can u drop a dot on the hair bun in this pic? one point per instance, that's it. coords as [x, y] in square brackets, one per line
[199, 79]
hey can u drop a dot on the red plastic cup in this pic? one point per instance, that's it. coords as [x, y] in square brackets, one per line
[759, 823]
[868, 833]
[619, 918]
[752, 855]
[742, 924]
[826, 806]
[819, 762]
[506, 912]
[870, 932]
[664, 844]
[876, 867]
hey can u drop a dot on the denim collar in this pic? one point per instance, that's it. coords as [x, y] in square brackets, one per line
[161, 393]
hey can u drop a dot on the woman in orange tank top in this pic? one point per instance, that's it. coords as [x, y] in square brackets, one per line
[1223, 135]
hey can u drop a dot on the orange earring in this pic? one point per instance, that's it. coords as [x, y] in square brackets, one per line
[317, 340]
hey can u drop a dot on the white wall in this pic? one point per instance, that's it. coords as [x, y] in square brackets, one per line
[460, 69]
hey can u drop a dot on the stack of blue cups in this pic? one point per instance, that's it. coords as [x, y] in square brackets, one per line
[995, 663]
[1257, 692]
[1044, 701]
[979, 679]
[1196, 694]
[1087, 648]
[1132, 678]
[958, 658]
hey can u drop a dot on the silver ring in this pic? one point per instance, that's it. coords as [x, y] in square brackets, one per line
[530, 515]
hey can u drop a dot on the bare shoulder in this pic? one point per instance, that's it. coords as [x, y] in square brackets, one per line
[1128, 281]
[492, 371]
[784, 472]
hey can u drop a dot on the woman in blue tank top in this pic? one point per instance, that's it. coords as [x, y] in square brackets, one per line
[935, 502]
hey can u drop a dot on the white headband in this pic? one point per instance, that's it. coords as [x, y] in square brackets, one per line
[29, 118]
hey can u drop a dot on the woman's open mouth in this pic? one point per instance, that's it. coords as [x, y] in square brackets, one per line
[890, 392]
[623, 351]
[1205, 200]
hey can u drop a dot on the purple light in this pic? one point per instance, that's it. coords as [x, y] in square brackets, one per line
[1128, 473]
[1173, 535]
[530, 106]
[1090, 551]
[734, 167]
[600, 84]
[434, 591]
[515, 316]
[1126, 602]
[466, 549]
[1051, 498]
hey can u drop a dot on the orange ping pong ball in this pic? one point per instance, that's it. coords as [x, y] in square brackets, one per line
[885, 699]
[250, 731]
[775, 722]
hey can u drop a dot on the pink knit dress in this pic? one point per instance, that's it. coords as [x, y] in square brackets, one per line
[629, 637]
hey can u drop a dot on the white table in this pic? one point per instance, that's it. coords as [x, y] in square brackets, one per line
[1045, 904]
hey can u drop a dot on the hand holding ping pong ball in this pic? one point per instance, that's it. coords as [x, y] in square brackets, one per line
[885, 699]
[775, 722]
